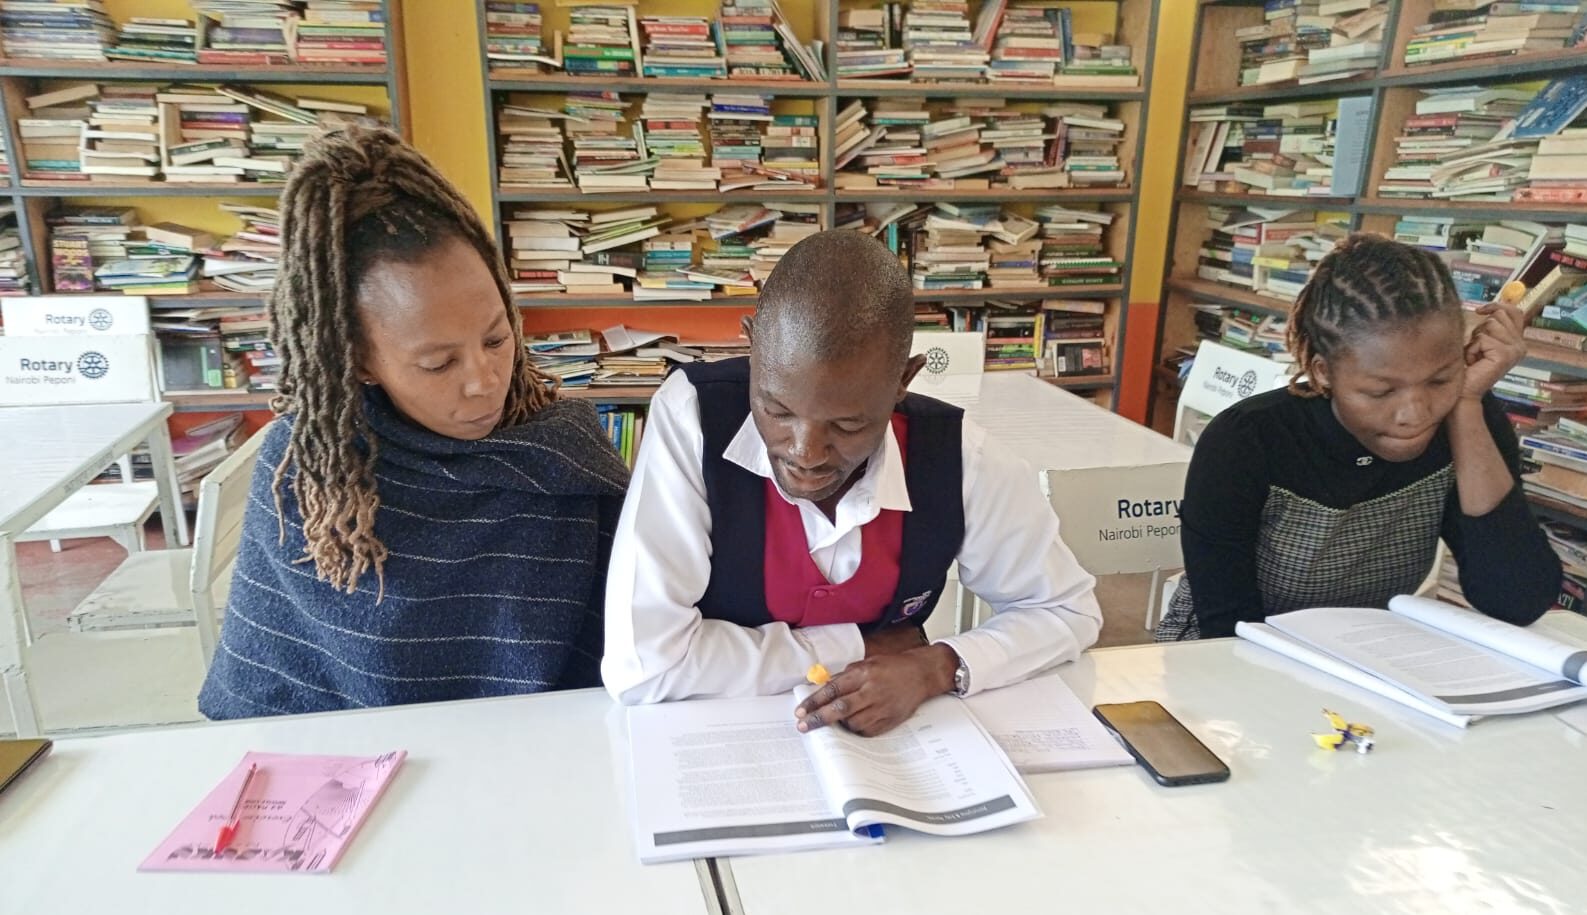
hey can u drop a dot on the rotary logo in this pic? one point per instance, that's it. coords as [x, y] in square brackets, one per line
[93, 365]
[100, 319]
[936, 360]
[1247, 384]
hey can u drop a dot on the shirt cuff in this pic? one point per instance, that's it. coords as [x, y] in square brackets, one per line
[974, 658]
[834, 646]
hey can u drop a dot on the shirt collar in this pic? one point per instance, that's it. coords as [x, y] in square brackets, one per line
[883, 477]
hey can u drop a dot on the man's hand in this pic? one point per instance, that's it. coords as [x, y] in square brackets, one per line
[879, 693]
[1496, 347]
[893, 640]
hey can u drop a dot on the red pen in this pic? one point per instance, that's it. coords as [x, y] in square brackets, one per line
[228, 830]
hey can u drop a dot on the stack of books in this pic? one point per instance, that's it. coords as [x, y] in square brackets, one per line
[1073, 249]
[14, 275]
[681, 46]
[736, 121]
[602, 41]
[568, 356]
[541, 246]
[59, 30]
[122, 142]
[606, 155]
[532, 153]
[1094, 61]
[81, 237]
[1027, 46]
[1277, 50]
[513, 35]
[797, 222]
[1558, 172]
[246, 33]
[1270, 251]
[1355, 40]
[761, 45]
[1074, 337]
[940, 44]
[671, 130]
[51, 132]
[157, 41]
[342, 32]
[150, 271]
[251, 357]
[1436, 233]
[868, 43]
[1458, 144]
[1560, 454]
[1015, 335]
[1472, 29]
[250, 260]
[791, 148]
[1280, 150]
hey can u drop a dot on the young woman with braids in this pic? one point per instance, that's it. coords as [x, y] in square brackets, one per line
[1336, 491]
[427, 521]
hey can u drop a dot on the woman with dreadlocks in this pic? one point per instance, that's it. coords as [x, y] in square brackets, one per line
[1336, 491]
[427, 521]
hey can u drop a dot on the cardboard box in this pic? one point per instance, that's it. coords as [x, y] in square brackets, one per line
[45, 370]
[70, 315]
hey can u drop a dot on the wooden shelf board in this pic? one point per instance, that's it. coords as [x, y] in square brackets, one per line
[1476, 209]
[194, 73]
[1516, 68]
[890, 88]
[1079, 382]
[515, 80]
[993, 195]
[637, 196]
[1265, 200]
[218, 401]
[1281, 92]
[1229, 295]
[38, 187]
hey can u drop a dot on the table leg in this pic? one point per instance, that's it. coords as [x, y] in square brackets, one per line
[13, 643]
[172, 517]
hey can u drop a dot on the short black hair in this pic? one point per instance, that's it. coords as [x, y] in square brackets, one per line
[834, 295]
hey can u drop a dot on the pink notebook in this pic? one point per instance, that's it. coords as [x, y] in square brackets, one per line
[298, 814]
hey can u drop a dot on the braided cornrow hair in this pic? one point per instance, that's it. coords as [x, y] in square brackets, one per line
[1365, 282]
[358, 197]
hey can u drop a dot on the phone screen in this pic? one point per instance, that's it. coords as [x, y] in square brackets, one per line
[17, 755]
[1160, 743]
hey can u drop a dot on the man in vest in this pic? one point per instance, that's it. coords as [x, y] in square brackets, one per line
[800, 507]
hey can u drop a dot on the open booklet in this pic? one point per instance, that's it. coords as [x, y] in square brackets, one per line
[734, 777]
[1446, 661]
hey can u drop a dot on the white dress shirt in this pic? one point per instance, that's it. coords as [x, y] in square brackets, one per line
[660, 647]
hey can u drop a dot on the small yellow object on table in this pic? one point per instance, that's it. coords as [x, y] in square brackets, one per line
[818, 675]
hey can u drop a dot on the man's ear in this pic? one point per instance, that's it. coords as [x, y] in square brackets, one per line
[911, 369]
[746, 326]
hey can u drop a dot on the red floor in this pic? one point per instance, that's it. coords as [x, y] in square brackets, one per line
[54, 583]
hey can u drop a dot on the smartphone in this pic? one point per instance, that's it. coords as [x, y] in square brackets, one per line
[17, 755]
[1160, 743]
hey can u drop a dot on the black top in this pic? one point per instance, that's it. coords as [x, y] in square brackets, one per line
[933, 529]
[1284, 509]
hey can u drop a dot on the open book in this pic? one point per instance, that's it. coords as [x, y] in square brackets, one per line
[734, 777]
[1449, 662]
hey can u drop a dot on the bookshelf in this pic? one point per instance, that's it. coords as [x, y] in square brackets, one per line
[1132, 22]
[1392, 88]
[382, 87]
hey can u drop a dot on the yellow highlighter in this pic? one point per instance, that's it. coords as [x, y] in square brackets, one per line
[1512, 293]
[817, 674]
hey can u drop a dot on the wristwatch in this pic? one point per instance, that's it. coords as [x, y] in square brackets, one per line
[961, 679]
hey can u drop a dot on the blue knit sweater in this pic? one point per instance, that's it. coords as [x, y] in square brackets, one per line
[493, 584]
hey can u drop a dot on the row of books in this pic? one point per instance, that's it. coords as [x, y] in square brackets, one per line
[967, 144]
[619, 356]
[1270, 251]
[584, 252]
[624, 426]
[1476, 29]
[223, 32]
[936, 41]
[15, 278]
[178, 133]
[599, 143]
[105, 249]
[1312, 41]
[748, 39]
[1064, 338]
[1284, 149]
[1503, 143]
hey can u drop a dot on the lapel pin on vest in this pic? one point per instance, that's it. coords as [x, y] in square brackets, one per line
[915, 604]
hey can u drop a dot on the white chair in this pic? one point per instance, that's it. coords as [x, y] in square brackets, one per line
[1219, 378]
[170, 588]
[115, 510]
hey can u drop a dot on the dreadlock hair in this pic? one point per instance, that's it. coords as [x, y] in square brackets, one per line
[1365, 282]
[360, 196]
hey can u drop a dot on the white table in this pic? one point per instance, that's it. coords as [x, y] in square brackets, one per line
[1436, 819]
[503, 806]
[46, 454]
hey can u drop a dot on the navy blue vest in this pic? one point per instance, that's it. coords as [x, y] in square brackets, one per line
[933, 528]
